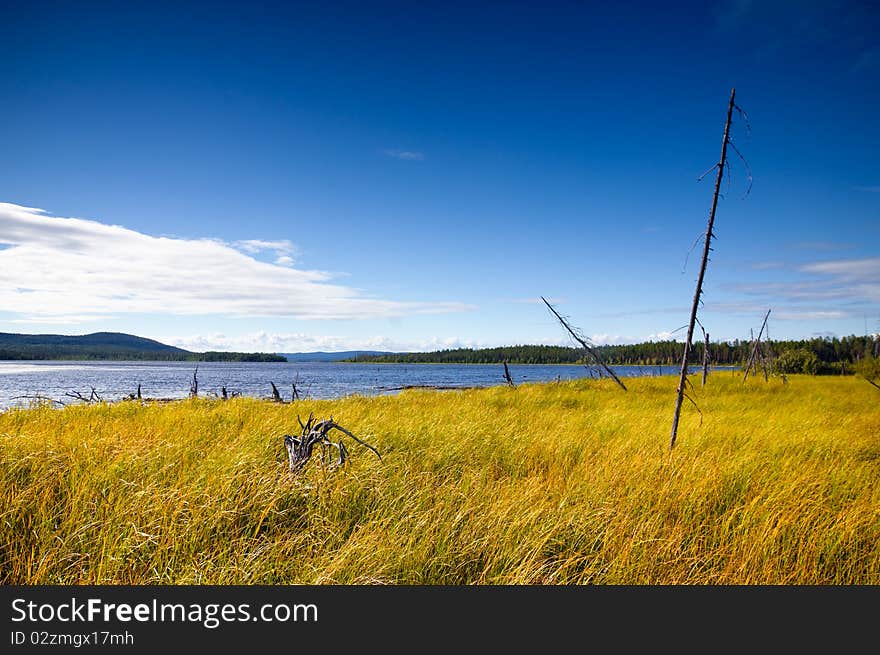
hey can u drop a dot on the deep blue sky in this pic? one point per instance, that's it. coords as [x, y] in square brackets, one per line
[447, 163]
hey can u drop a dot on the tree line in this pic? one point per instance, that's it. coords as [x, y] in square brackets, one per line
[828, 352]
[96, 354]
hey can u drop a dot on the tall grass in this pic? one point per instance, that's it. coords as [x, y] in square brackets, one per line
[556, 483]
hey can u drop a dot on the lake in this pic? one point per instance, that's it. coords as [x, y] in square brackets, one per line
[116, 379]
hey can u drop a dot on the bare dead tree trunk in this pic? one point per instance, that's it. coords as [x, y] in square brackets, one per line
[752, 359]
[139, 391]
[763, 362]
[705, 355]
[707, 242]
[194, 385]
[275, 395]
[583, 343]
[507, 376]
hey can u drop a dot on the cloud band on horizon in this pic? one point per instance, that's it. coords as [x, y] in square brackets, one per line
[55, 269]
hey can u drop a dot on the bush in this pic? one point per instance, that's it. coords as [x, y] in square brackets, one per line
[797, 361]
[868, 368]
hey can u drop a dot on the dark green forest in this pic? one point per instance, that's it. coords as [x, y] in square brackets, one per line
[111, 346]
[819, 355]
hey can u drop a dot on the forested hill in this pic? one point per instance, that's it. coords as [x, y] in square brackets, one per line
[828, 351]
[110, 345]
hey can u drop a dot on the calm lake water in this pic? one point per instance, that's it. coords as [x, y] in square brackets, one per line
[115, 380]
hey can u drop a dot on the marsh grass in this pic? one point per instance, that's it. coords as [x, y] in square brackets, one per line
[554, 483]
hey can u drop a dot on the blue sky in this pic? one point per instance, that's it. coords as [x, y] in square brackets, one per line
[408, 176]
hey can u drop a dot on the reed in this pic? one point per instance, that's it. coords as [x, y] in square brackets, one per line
[555, 483]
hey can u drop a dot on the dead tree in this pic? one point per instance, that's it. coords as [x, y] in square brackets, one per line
[139, 391]
[583, 342]
[705, 354]
[707, 247]
[194, 385]
[275, 395]
[93, 397]
[312, 434]
[294, 391]
[763, 362]
[223, 394]
[755, 346]
[507, 376]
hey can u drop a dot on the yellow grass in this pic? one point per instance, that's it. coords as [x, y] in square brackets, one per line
[557, 483]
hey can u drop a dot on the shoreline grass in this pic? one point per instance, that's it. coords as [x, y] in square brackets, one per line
[556, 483]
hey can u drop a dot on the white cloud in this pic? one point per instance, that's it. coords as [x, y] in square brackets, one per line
[71, 269]
[666, 336]
[258, 245]
[609, 339]
[301, 342]
[808, 315]
[857, 278]
[406, 155]
[538, 301]
[831, 289]
[851, 269]
[282, 249]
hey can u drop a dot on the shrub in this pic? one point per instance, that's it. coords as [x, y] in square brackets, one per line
[868, 368]
[800, 360]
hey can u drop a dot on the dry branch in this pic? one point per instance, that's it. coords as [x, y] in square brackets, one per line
[705, 354]
[707, 247]
[755, 345]
[584, 343]
[294, 391]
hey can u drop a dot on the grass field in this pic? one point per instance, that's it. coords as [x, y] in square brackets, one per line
[556, 483]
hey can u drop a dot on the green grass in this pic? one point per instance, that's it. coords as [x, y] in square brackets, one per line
[556, 483]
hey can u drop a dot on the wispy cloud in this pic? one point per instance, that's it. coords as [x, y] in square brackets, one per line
[822, 245]
[406, 155]
[538, 301]
[830, 289]
[282, 249]
[869, 189]
[859, 278]
[72, 270]
[254, 246]
[293, 342]
[767, 266]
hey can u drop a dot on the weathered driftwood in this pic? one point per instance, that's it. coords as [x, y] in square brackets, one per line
[317, 433]
[275, 395]
[94, 396]
[435, 387]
